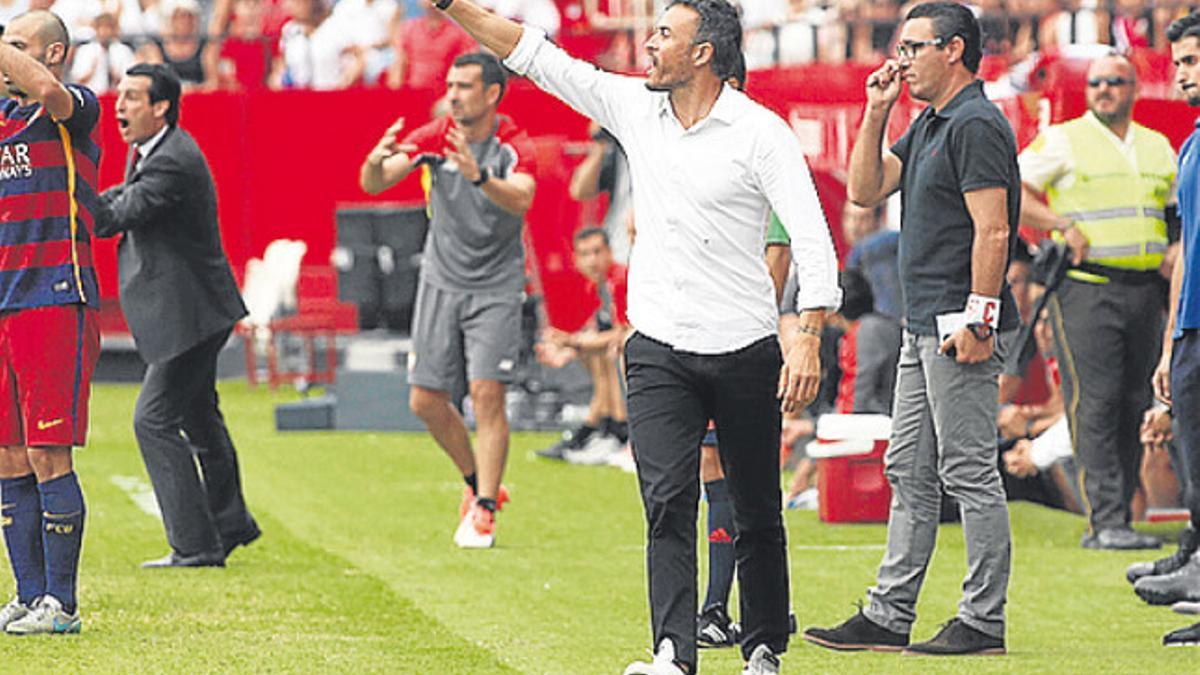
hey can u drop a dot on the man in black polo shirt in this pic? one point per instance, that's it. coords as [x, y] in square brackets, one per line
[956, 169]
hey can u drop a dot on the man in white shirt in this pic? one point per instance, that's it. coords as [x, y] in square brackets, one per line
[708, 166]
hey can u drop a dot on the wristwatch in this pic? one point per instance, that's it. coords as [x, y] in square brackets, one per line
[981, 331]
[485, 174]
[443, 4]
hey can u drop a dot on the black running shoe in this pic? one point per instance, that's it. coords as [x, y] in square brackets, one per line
[957, 638]
[1167, 589]
[715, 630]
[1183, 637]
[857, 633]
[1188, 543]
[572, 439]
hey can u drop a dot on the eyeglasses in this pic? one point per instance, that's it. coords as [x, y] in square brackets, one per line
[909, 49]
[1114, 81]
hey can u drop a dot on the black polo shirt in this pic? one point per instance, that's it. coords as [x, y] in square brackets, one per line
[967, 145]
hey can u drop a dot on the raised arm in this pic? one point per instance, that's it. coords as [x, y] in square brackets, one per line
[388, 162]
[525, 50]
[874, 171]
[35, 79]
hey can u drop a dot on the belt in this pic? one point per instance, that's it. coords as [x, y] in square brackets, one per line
[1101, 274]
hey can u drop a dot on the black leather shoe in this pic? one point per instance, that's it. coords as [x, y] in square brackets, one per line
[1183, 637]
[857, 634]
[1188, 543]
[243, 539]
[1166, 589]
[173, 559]
[957, 638]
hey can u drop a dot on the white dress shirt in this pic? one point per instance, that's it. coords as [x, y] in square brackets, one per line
[701, 198]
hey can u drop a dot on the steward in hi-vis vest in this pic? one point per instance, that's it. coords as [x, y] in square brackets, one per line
[1110, 188]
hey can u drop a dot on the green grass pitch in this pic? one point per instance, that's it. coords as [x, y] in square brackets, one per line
[356, 573]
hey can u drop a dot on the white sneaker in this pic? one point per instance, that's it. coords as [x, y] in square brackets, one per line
[45, 617]
[15, 609]
[595, 451]
[806, 500]
[762, 662]
[623, 459]
[477, 529]
[663, 663]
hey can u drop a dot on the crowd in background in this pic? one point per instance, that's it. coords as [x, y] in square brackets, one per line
[319, 44]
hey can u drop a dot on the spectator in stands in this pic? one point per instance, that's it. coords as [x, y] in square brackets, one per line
[274, 16]
[315, 52]
[100, 63]
[191, 55]
[597, 346]
[1108, 181]
[78, 15]
[606, 170]
[1132, 25]
[246, 52]
[372, 22]
[423, 48]
[11, 9]
[542, 14]
[141, 20]
[1064, 23]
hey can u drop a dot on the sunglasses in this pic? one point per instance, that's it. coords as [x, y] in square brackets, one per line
[1114, 81]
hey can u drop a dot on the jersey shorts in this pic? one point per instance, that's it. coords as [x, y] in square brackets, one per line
[47, 357]
[456, 332]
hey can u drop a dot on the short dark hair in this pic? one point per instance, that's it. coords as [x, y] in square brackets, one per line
[589, 232]
[950, 20]
[493, 72]
[164, 86]
[739, 72]
[1184, 26]
[721, 28]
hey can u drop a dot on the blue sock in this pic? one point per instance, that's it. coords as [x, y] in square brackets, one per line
[62, 536]
[721, 532]
[22, 517]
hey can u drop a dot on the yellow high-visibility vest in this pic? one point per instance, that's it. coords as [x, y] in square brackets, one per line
[1117, 202]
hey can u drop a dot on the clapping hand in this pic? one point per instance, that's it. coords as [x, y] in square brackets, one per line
[459, 152]
[388, 146]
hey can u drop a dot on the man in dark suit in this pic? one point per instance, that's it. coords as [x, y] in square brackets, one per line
[181, 302]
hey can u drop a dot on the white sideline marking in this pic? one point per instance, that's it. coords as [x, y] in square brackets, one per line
[140, 492]
[840, 547]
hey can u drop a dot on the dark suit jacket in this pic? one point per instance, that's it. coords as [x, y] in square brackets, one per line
[176, 285]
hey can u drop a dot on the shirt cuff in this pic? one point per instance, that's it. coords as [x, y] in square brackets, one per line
[522, 55]
[828, 299]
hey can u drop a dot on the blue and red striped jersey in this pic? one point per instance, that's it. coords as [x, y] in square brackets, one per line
[47, 198]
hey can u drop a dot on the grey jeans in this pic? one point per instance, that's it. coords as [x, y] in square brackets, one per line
[943, 437]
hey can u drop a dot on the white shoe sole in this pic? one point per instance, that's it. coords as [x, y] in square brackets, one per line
[466, 536]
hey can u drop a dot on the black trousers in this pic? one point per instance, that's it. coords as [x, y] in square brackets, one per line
[1185, 401]
[672, 395]
[178, 422]
[1109, 337]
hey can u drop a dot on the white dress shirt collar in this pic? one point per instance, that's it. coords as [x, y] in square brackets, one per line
[144, 149]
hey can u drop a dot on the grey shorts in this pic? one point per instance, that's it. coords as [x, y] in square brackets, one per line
[457, 332]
